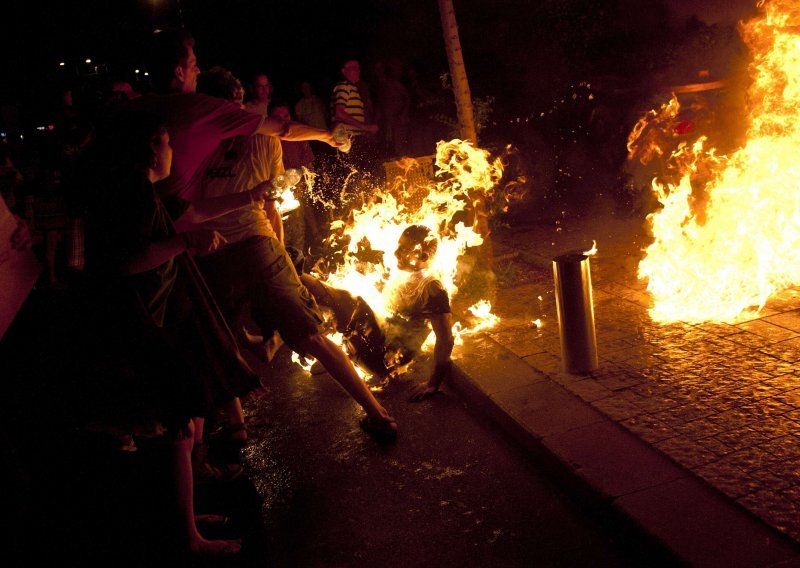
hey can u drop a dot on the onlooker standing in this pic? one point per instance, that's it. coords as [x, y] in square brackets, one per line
[311, 109]
[260, 93]
[394, 107]
[300, 226]
[348, 105]
[350, 116]
[159, 367]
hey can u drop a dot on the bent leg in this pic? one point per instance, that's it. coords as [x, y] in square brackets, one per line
[341, 369]
[341, 302]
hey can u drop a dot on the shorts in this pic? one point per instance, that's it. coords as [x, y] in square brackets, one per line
[258, 271]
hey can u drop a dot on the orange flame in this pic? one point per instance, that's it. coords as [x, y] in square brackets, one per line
[370, 268]
[721, 262]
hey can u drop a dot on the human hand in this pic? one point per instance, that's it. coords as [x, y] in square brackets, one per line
[421, 392]
[331, 140]
[204, 241]
[261, 193]
[21, 237]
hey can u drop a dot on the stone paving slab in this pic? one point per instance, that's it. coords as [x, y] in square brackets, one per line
[612, 460]
[668, 502]
[712, 410]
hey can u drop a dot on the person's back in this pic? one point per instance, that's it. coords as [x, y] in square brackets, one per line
[238, 165]
[196, 123]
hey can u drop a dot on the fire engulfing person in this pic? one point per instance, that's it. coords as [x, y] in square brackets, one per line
[418, 298]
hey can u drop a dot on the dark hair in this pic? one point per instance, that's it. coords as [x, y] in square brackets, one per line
[422, 235]
[168, 50]
[218, 82]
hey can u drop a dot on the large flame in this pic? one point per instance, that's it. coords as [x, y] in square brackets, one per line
[728, 236]
[369, 269]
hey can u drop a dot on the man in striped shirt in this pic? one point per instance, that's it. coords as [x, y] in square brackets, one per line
[348, 108]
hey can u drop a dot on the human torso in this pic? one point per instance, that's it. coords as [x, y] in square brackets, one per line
[240, 164]
[346, 95]
[196, 124]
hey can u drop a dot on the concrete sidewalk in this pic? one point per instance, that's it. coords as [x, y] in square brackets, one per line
[693, 432]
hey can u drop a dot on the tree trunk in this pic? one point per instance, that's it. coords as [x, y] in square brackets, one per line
[466, 121]
[458, 72]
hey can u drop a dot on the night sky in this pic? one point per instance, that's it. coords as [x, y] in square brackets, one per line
[521, 52]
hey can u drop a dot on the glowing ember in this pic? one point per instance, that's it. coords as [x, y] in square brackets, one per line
[369, 268]
[722, 249]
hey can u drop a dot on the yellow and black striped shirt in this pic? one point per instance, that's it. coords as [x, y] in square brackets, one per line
[346, 94]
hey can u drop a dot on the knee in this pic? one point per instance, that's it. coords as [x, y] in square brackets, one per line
[315, 343]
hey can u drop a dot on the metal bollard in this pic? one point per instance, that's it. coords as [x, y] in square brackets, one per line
[573, 281]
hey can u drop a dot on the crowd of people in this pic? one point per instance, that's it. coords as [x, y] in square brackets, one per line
[164, 209]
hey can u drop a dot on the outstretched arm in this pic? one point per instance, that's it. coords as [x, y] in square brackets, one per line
[442, 325]
[294, 131]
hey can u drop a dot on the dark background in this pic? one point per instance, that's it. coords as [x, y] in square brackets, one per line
[561, 82]
[524, 53]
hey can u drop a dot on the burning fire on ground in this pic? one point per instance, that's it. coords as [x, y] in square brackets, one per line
[728, 234]
[449, 205]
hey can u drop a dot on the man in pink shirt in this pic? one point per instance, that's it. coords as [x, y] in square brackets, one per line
[198, 123]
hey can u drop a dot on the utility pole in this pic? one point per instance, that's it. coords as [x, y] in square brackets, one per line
[466, 120]
[458, 72]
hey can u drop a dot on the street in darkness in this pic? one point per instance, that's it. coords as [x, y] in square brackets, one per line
[453, 491]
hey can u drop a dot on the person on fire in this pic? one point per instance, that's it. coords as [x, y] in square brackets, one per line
[417, 300]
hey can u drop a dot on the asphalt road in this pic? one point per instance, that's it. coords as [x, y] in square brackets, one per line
[453, 490]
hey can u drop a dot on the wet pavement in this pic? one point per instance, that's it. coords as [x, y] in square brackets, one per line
[453, 490]
[689, 431]
[720, 402]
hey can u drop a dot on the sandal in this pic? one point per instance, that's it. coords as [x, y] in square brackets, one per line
[382, 430]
